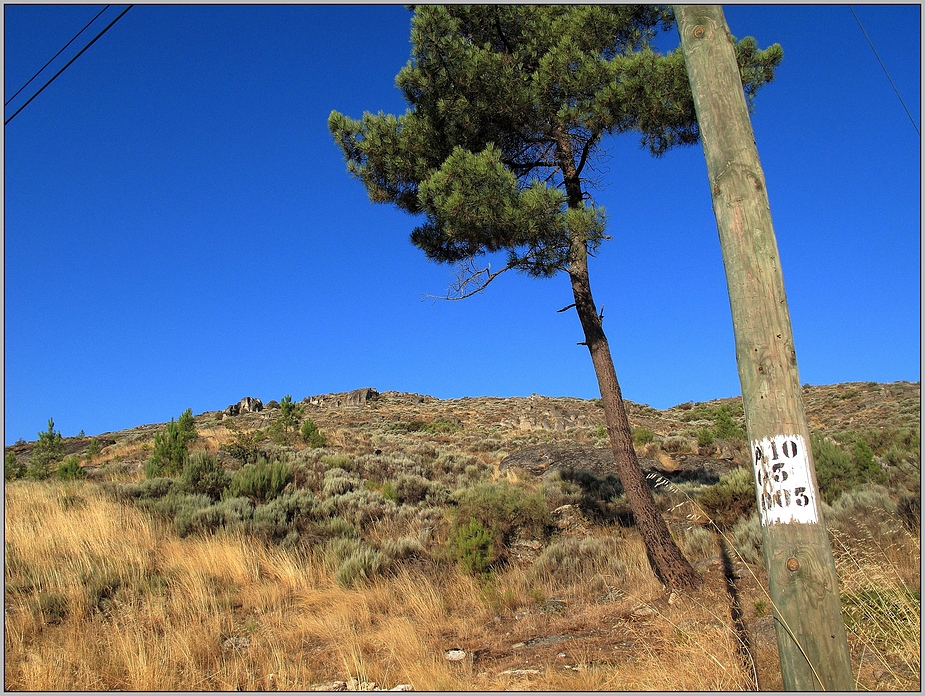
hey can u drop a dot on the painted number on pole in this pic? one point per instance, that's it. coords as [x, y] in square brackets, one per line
[785, 487]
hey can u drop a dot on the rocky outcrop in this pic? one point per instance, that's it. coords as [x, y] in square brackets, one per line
[542, 460]
[246, 405]
[357, 397]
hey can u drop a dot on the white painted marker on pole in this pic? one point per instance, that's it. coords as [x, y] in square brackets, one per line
[785, 487]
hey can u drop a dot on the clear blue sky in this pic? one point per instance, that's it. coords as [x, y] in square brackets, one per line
[181, 232]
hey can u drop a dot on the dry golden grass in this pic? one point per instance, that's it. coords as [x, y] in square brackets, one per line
[102, 596]
[99, 596]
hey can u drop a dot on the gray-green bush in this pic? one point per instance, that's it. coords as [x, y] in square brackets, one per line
[203, 474]
[260, 482]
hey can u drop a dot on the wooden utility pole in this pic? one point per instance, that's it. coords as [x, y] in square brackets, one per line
[811, 634]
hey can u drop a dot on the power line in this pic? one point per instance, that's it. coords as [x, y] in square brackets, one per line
[108, 27]
[7, 103]
[885, 71]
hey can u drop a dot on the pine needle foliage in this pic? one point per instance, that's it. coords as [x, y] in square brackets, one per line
[494, 93]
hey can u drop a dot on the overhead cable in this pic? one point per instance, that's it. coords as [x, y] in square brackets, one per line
[7, 103]
[108, 27]
[885, 71]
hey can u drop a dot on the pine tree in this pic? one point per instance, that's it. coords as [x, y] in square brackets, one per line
[49, 450]
[509, 105]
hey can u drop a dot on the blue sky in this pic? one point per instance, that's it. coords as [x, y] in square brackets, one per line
[180, 230]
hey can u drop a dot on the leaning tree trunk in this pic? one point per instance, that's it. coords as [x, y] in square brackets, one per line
[665, 557]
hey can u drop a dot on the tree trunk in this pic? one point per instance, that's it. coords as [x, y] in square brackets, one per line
[666, 559]
[811, 635]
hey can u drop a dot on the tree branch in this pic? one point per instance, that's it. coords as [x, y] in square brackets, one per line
[470, 280]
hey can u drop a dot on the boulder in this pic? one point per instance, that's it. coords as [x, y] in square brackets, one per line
[360, 397]
[246, 405]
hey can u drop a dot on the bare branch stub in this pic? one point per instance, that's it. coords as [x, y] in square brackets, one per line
[470, 280]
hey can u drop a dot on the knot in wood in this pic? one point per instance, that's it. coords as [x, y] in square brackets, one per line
[699, 31]
[793, 564]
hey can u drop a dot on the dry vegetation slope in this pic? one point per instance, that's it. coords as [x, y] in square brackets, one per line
[364, 568]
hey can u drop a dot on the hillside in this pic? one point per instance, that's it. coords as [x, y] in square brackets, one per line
[501, 426]
[359, 570]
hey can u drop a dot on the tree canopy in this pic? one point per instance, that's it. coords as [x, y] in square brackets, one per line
[508, 105]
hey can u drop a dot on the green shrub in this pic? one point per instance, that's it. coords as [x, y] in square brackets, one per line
[155, 488]
[442, 425]
[242, 447]
[360, 506]
[731, 498]
[704, 437]
[725, 427]
[863, 511]
[203, 474]
[311, 434]
[12, 468]
[837, 471]
[176, 506]
[746, 539]
[260, 482]
[339, 548]
[676, 443]
[866, 467]
[292, 511]
[187, 426]
[170, 447]
[411, 489]
[474, 547]
[287, 422]
[49, 450]
[503, 510]
[363, 564]
[642, 435]
[93, 450]
[834, 471]
[70, 469]
[593, 493]
[698, 544]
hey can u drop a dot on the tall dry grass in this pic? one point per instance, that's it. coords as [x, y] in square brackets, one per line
[100, 596]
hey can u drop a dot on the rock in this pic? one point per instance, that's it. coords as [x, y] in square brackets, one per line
[520, 671]
[569, 518]
[402, 687]
[236, 643]
[246, 405]
[543, 460]
[357, 397]
[455, 655]
[360, 397]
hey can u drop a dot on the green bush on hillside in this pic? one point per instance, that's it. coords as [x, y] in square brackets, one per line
[731, 498]
[837, 471]
[259, 482]
[310, 433]
[48, 451]
[171, 447]
[503, 511]
[642, 435]
[203, 474]
[70, 469]
[725, 427]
